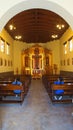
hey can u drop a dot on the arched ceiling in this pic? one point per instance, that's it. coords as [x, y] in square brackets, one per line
[36, 25]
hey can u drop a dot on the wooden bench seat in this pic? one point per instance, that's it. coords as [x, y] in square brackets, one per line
[8, 90]
[67, 95]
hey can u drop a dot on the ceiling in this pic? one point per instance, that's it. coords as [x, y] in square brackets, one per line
[36, 26]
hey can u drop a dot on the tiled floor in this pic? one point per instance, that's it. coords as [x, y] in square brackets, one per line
[36, 113]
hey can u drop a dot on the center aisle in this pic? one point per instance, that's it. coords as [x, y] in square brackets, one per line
[38, 95]
[36, 112]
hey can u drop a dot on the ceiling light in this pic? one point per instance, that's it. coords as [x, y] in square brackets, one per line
[11, 27]
[60, 26]
[18, 37]
[54, 36]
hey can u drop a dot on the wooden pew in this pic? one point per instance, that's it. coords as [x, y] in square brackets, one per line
[66, 81]
[68, 93]
[26, 80]
[7, 90]
[49, 80]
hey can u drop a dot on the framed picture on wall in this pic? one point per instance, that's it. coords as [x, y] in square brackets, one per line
[5, 62]
[68, 61]
[8, 63]
[11, 62]
[47, 60]
[1, 61]
[61, 62]
[72, 61]
[26, 61]
[64, 62]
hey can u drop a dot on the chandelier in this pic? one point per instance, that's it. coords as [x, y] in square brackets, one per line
[54, 36]
[60, 26]
[18, 37]
[11, 27]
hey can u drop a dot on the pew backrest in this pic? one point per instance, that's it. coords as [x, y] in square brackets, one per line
[64, 87]
[10, 87]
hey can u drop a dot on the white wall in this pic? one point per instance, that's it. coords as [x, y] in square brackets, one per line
[9, 8]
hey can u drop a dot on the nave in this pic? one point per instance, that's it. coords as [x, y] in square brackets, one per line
[36, 113]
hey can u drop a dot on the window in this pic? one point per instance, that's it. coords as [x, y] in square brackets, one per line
[70, 44]
[2, 45]
[7, 48]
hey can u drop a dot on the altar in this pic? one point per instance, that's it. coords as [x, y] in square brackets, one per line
[36, 61]
[36, 73]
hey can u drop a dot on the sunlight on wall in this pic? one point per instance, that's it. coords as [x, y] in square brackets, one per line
[6, 60]
[66, 51]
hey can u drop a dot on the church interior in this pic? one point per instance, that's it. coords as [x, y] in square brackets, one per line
[46, 50]
[37, 46]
